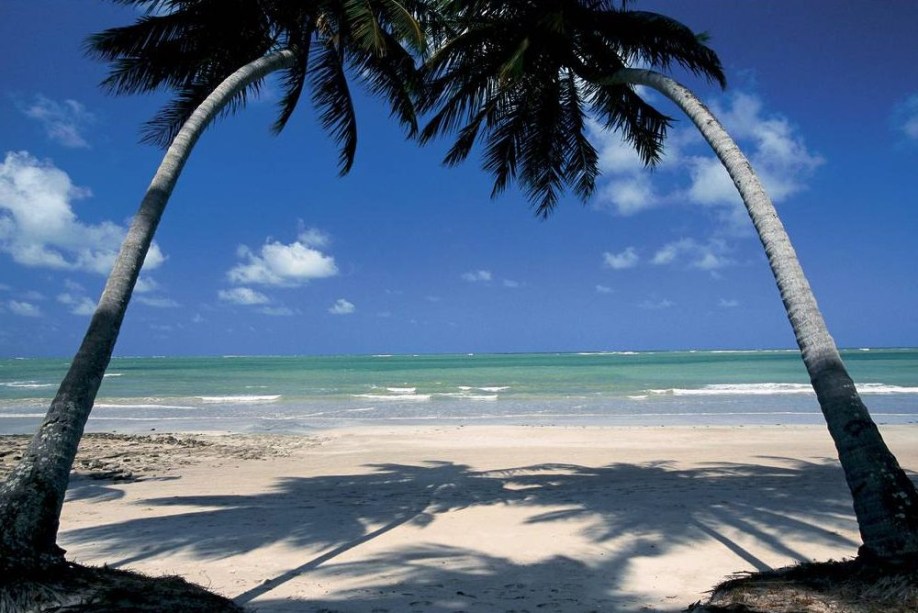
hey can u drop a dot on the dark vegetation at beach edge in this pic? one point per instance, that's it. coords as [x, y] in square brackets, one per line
[74, 588]
[851, 586]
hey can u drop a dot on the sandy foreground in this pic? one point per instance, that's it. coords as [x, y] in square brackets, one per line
[455, 518]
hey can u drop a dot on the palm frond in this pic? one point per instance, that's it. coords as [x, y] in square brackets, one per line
[332, 97]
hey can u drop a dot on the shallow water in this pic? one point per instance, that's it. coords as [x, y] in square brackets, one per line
[301, 393]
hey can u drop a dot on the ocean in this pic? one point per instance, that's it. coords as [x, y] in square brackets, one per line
[301, 393]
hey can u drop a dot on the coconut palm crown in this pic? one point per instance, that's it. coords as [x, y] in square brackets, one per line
[189, 46]
[521, 76]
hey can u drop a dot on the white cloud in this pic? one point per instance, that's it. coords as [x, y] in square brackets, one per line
[603, 289]
[342, 307]
[621, 261]
[242, 295]
[279, 311]
[630, 195]
[774, 146]
[905, 117]
[79, 305]
[728, 303]
[285, 265]
[145, 285]
[615, 155]
[708, 256]
[510, 283]
[64, 123]
[657, 305]
[23, 309]
[158, 302]
[39, 228]
[777, 154]
[477, 276]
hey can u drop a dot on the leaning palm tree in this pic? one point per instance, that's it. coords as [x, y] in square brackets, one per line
[521, 76]
[212, 54]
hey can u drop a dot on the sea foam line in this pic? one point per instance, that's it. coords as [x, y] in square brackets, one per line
[245, 399]
[775, 389]
[394, 397]
[26, 384]
[144, 406]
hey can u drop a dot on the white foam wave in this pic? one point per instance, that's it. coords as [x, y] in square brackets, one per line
[468, 396]
[113, 374]
[143, 406]
[103, 418]
[394, 397]
[775, 389]
[26, 384]
[245, 399]
[880, 388]
[746, 389]
[402, 390]
[11, 415]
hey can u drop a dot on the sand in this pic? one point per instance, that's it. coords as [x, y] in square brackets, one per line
[463, 518]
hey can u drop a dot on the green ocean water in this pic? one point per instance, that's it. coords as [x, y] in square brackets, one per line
[302, 393]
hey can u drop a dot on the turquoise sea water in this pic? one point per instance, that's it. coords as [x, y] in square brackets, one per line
[297, 394]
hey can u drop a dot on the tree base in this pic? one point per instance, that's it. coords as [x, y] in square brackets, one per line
[73, 588]
[861, 586]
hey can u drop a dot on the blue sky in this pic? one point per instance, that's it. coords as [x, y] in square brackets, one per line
[265, 250]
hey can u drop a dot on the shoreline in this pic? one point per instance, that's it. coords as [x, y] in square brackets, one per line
[471, 518]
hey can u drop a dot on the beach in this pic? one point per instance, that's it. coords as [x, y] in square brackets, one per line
[463, 518]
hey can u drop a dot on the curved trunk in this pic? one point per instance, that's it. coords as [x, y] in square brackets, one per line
[33, 494]
[885, 500]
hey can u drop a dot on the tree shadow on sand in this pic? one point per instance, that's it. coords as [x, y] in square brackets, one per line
[772, 504]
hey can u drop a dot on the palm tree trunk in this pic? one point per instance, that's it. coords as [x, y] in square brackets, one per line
[885, 500]
[33, 495]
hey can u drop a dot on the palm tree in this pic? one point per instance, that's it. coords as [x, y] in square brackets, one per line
[212, 54]
[520, 76]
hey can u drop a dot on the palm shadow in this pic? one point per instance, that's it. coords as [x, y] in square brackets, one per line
[773, 504]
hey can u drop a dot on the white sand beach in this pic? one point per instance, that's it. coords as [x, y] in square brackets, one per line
[466, 518]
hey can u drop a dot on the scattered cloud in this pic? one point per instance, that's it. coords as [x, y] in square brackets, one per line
[905, 117]
[158, 302]
[707, 256]
[64, 122]
[511, 284]
[342, 307]
[603, 289]
[728, 303]
[774, 146]
[242, 295]
[23, 309]
[777, 153]
[79, 305]
[38, 227]
[657, 305]
[630, 195]
[477, 276]
[621, 261]
[285, 265]
[145, 285]
[276, 311]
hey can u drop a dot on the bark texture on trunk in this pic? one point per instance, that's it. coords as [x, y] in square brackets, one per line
[885, 499]
[33, 495]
